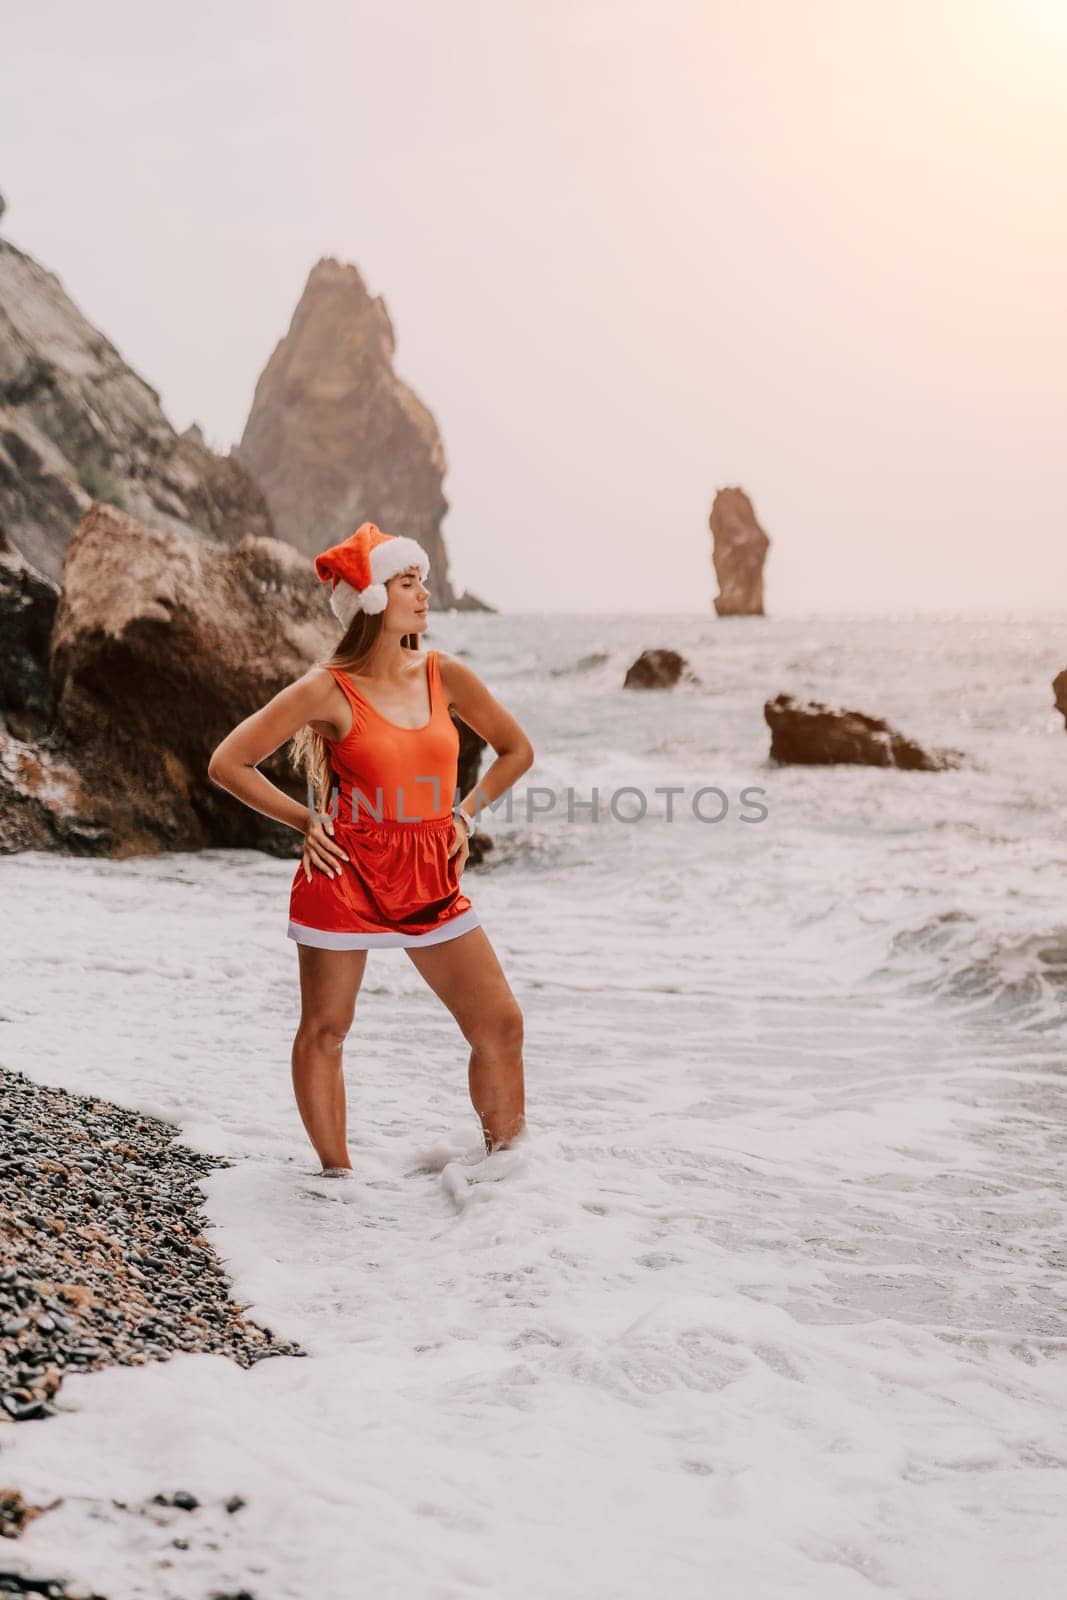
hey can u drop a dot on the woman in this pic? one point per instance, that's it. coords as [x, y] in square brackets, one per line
[383, 848]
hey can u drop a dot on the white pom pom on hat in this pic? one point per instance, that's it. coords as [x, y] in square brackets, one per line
[361, 566]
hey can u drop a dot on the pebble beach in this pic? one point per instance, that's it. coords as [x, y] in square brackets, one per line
[106, 1263]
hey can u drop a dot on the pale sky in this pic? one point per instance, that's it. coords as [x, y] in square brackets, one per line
[634, 251]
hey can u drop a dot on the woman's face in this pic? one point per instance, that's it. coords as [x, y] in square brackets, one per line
[409, 602]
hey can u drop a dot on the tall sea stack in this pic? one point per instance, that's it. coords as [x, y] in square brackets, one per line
[335, 438]
[738, 552]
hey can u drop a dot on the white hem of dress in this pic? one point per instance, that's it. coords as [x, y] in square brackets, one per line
[324, 940]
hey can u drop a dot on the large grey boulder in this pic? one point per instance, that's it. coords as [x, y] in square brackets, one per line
[162, 644]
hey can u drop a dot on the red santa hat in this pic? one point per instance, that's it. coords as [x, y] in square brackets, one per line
[361, 566]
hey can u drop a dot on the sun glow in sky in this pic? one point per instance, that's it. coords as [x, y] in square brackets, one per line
[634, 250]
[1045, 16]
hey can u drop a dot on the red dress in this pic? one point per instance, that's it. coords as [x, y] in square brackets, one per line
[393, 790]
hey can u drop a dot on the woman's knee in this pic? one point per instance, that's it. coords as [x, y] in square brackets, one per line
[325, 1030]
[501, 1029]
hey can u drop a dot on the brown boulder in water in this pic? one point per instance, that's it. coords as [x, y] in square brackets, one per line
[1059, 690]
[658, 669]
[813, 734]
[739, 550]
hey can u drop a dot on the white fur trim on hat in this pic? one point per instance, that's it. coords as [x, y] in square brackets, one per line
[393, 556]
[344, 602]
[387, 560]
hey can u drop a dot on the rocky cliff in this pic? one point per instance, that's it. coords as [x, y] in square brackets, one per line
[739, 550]
[336, 438]
[78, 425]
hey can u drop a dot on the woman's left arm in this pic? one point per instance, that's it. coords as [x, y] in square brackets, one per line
[469, 698]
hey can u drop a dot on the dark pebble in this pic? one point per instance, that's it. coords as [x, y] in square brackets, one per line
[50, 1588]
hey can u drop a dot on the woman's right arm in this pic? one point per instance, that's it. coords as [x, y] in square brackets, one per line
[235, 762]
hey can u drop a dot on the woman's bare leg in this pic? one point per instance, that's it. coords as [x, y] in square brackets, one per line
[465, 974]
[329, 983]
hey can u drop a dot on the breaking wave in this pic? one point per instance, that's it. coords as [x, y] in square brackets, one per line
[1017, 977]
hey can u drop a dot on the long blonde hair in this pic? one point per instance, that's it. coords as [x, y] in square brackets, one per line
[309, 755]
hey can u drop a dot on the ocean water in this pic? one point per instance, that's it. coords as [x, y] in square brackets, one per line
[770, 1301]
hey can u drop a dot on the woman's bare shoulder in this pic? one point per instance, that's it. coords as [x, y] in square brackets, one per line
[322, 695]
[454, 669]
[476, 705]
[316, 686]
